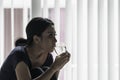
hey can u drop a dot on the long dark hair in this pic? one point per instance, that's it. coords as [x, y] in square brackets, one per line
[35, 27]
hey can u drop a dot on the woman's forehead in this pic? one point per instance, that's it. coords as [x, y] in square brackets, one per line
[50, 30]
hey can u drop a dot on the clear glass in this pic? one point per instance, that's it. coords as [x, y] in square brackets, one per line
[60, 48]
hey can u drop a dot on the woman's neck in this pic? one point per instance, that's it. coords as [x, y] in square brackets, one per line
[37, 56]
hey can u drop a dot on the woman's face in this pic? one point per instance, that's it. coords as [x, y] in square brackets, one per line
[48, 39]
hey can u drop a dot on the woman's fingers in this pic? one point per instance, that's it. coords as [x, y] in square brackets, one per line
[65, 54]
[61, 60]
[64, 57]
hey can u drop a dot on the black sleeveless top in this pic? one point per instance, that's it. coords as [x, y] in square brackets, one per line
[18, 54]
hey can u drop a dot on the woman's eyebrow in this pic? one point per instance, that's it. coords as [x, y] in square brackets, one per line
[52, 32]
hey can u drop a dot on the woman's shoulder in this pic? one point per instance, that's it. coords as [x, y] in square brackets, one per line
[12, 60]
[21, 55]
[18, 49]
[17, 55]
[18, 52]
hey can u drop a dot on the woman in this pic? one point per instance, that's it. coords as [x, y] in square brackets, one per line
[34, 52]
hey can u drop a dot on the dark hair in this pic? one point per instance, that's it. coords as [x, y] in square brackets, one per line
[20, 42]
[35, 27]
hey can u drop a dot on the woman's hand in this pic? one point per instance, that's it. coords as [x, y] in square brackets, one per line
[60, 61]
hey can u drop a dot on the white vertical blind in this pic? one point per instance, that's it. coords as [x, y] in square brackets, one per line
[68, 37]
[113, 40]
[25, 17]
[36, 8]
[57, 19]
[119, 33]
[73, 62]
[82, 41]
[102, 40]
[12, 23]
[1, 33]
[92, 39]
[45, 8]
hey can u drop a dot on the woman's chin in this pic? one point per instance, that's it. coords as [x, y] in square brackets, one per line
[51, 50]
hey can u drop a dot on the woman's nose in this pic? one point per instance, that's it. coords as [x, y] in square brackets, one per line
[55, 39]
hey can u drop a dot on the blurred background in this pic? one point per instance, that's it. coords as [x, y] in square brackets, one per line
[90, 30]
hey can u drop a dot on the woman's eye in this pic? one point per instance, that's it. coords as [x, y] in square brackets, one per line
[52, 35]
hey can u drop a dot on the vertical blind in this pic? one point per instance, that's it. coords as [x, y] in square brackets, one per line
[89, 28]
[1, 33]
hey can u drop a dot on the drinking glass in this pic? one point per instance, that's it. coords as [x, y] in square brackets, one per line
[60, 48]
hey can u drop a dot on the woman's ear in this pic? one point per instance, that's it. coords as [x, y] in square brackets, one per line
[36, 39]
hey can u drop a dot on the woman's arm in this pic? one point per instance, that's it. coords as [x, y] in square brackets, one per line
[23, 73]
[57, 74]
[46, 75]
[59, 62]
